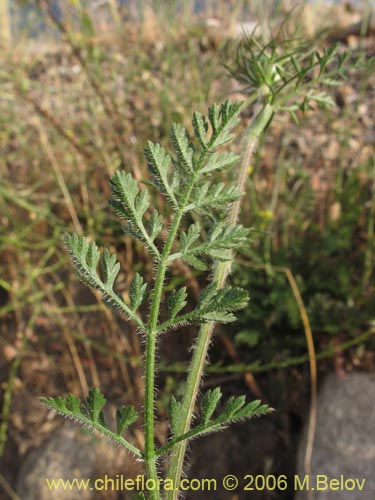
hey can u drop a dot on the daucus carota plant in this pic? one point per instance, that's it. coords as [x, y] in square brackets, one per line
[187, 179]
[189, 185]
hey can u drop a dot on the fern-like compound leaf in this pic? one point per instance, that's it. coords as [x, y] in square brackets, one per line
[213, 116]
[200, 126]
[195, 262]
[159, 163]
[174, 413]
[219, 317]
[223, 238]
[133, 230]
[181, 143]
[217, 305]
[85, 255]
[235, 409]
[190, 237]
[93, 257]
[125, 190]
[209, 403]
[176, 302]
[90, 415]
[233, 405]
[70, 406]
[138, 291]
[209, 196]
[155, 225]
[110, 268]
[125, 416]
[228, 298]
[219, 161]
[222, 121]
[178, 183]
[94, 404]
[131, 204]
[213, 305]
[79, 249]
[207, 295]
[220, 239]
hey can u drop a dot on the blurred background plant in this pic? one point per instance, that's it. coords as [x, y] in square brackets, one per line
[82, 90]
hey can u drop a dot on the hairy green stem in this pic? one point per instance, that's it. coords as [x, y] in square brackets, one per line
[197, 365]
[152, 331]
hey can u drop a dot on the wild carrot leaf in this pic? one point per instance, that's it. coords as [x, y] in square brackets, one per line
[138, 291]
[176, 302]
[181, 143]
[110, 268]
[174, 412]
[131, 204]
[211, 195]
[155, 225]
[217, 305]
[84, 255]
[200, 128]
[94, 404]
[219, 161]
[209, 403]
[91, 414]
[189, 238]
[125, 416]
[159, 164]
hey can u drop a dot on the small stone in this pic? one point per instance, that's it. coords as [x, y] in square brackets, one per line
[344, 445]
[71, 453]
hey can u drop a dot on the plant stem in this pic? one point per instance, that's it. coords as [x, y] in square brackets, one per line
[150, 457]
[222, 270]
[152, 331]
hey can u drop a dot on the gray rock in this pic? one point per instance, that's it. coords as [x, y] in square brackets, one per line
[344, 446]
[71, 453]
